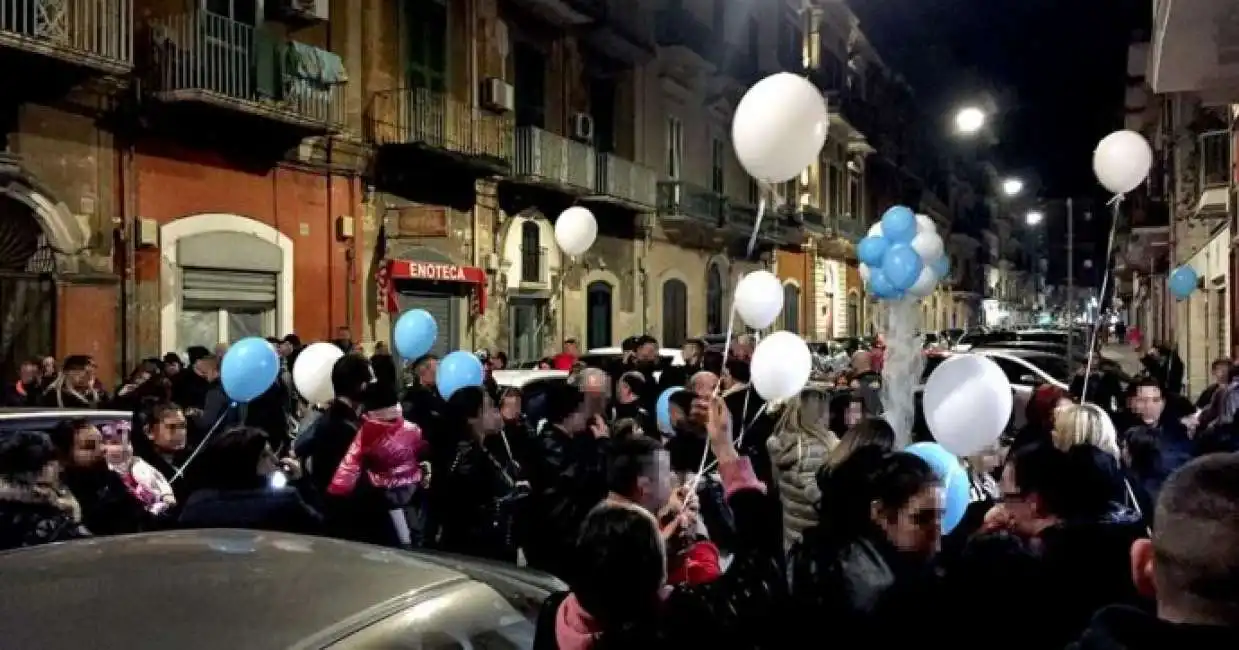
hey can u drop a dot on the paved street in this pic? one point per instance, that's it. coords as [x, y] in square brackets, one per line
[1126, 355]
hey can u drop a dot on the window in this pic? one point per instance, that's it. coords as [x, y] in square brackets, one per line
[854, 328]
[835, 190]
[675, 148]
[854, 195]
[602, 108]
[225, 306]
[242, 11]
[717, 165]
[530, 67]
[791, 308]
[425, 44]
[525, 319]
[531, 252]
[598, 315]
[715, 300]
[675, 313]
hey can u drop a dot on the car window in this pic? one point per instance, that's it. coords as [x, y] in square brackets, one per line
[469, 616]
[1044, 337]
[46, 422]
[1053, 366]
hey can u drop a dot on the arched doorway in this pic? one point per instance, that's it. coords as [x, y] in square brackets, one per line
[675, 313]
[598, 315]
[715, 300]
[27, 290]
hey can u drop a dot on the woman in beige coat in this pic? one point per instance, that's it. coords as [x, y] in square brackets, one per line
[799, 447]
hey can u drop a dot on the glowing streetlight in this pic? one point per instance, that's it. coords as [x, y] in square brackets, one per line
[969, 120]
[1034, 217]
[1012, 186]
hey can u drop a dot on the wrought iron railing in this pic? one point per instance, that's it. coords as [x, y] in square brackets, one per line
[627, 180]
[678, 27]
[93, 29]
[423, 117]
[680, 199]
[811, 216]
[552, 158]
[201, 53]
[846, 226]
[534, 266]
[1214, 159]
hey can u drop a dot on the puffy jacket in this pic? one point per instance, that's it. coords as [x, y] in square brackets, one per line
[797, 456]
[387, 448]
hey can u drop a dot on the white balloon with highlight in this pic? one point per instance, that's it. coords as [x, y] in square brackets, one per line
[759, 299]
[779, 127]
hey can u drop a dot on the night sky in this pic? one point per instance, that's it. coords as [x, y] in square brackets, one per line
[1055, 70]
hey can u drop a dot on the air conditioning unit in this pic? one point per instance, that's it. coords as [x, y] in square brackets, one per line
[583, 127]
[303, 10]
[498, 95]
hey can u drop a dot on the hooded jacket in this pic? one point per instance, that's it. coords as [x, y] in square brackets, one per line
[387, 448]
[797, 456]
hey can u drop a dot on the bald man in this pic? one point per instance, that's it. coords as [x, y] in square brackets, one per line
[596, 386]
[702, 384]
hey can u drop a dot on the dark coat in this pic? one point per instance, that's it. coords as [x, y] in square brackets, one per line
[33, 515]
[260, 508]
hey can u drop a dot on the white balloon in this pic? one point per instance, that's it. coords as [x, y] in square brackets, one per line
[759, 299]
[967, 403]
[925, 283]
[575, 230]
[928, 245]
[781, 366]
[863, 269]
[876, 229]
[312, 371]
[779, 127]
[925, 224]
[1122, 161]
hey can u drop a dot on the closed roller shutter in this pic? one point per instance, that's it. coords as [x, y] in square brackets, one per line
[443, 308]
[214, 288]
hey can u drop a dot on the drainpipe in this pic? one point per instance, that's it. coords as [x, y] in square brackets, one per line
[128, 217]
[471, 30]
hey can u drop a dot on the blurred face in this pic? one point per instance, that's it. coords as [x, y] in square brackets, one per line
[285, 349]
[853, 415]
[116, 449]
[1021, 508]
[87, 447]
[689, 352]
[268, 464]
[78, 378]
[168, 434]
[491, 420]
[426, 375]
[654, 488]
[916, 528]
[171, 368]
[647, 353]
[1221, 373]
[511, 408]
[49, 366]
[570, 347]
[1149, 403]
[29, 373]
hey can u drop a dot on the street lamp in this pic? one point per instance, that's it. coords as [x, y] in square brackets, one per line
[969, 120]
[1012, 186]
[1034, 218]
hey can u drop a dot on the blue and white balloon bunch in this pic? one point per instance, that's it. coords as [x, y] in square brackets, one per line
[903, 255]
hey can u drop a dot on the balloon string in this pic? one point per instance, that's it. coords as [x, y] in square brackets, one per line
[731, 324]
[761, 212]
[202, 445]
[739, 441]
[1115, 204]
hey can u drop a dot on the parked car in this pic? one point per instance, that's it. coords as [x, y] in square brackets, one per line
[46, 419]
[1026, 370]
[251, 590]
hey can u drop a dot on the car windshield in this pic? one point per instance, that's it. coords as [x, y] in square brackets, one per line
[1053, 366]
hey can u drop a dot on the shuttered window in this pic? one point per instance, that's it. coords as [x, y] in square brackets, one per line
[675, 313]
[225, 306]
[791, 308]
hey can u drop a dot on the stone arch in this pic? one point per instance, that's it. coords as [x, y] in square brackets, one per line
[655, 293]
[62, 232]
[225, 224]
[510, 245]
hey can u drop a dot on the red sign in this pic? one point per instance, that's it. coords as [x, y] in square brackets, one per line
[436, 272]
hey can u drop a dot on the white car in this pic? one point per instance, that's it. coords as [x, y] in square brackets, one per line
[520, 378]
[670, 356]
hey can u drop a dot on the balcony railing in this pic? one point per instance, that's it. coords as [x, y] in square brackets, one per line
[678, 27]
[420, 117]
[548, 158]
[847, 227]
[94, 33]
[1214, 159]
[206, 58]
[680, 200]
[534, 266]
[627, 181]
[812, 217]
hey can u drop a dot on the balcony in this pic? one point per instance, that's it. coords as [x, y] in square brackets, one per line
[688, 42]
[624, 30]
[562, 13]
[626, 183]
[812, 219]
[202, 61]
[857, 116]
[1195, 48]
[548, 160]
[93, 35]
[535, 269]
[681, 203]
[419, 120]
[1215, 172]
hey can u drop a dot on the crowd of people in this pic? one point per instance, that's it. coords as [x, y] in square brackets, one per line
[1111, 523]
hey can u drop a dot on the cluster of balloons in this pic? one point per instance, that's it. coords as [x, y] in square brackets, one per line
[1183, 281]
[902, 255]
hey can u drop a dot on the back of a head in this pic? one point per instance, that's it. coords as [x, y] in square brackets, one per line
[620, 567]
[230, 461]
[463, 405]
[380, 395]
[23, 454]
[870, 475]
[628, 460]
[1080, 483]
[1084, 424]
[349, 376]
[562, 400]
[1196, 540]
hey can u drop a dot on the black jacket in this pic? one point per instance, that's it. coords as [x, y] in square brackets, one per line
[108, 507]
[1129, 628]
[567, 480]
[33, 515]
[485, 501]
[260, 508]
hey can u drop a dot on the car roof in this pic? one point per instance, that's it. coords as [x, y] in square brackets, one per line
[674, 354]
[519, 378]
[208, 589]
[37, 413]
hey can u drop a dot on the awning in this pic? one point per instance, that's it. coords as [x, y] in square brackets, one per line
[392, 270]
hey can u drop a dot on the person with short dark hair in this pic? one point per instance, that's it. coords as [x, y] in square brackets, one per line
[323, 445]
[628, 390]
[108, 506]
[1188, 567]
[34, 508]
[75, 387]
[25, 390]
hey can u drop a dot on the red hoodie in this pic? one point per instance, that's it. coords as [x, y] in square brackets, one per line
[387, 448]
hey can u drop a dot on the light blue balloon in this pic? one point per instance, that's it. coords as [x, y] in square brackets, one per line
[1183, 282]
[902, 266]
[415, 333]
[880, 286]
[249, 368]
[941, 266]
[456, 371]
[871, 250]
[954, 480]
[662, 409]
[899, 225]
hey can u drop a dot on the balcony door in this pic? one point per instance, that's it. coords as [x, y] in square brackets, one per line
[602, 109]
[530, 66]
[425, 44]
[227, 64]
